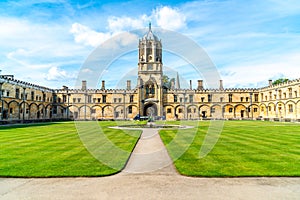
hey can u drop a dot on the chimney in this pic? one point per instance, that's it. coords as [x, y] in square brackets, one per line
[128, 85]
[221, 85]
[270, 82]
[103, 85]
[83, 85]
[200, 85]
[191, 87]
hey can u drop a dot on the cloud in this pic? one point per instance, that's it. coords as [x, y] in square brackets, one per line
[57, 74]
[169, 18]
[87, 36]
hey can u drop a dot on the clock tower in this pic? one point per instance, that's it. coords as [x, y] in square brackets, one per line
[150, 75]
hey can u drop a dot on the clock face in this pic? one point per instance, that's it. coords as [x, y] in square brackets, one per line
[150, 67]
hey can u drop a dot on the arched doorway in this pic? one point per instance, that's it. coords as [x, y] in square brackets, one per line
[150, 109]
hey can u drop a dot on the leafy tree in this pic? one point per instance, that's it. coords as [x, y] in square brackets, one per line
[167, 81]
[280, 80]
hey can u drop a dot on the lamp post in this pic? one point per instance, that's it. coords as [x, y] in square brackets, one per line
[1, 83]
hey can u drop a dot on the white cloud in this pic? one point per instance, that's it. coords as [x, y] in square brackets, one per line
[169, 18]
[87, 36]
[57, 74]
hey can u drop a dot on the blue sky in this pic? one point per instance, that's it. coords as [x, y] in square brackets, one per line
[47, 41]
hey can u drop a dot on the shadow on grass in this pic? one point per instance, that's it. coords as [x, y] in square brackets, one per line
[13, 126]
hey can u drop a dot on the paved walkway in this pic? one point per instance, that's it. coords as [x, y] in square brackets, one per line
[141, 180]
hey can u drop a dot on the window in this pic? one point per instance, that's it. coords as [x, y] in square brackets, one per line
[242, 98]
[255, 109]
[270, 95]
[27, 110]
[99, 100]
[230, 97]
[93, 111]
[54, 98]
[150, 90]
[294, 92]
[290, 108]
[202, 99]
[247, 99]
[175, 98]
[44, 97]
[270, 108]
[266, 98]
[256, 97]
[191, 98]
[37, 98]
[130, 109]
[290, 93]
[180, 110]
[58, 100]
[104, 99]
[131, 99]
[89, 98]
[284, 95]
[221, 99]
[181, 99]
[17, 93]
[10, 110]
[213, 110]
[74, 100]
[280, 94]
[7, 93]
[115, 100]
[169, 110]
[32, 95]
[209, 97]
[120, 100]
[94, 100]
[189, 110]
[78, 100]
[64, 98]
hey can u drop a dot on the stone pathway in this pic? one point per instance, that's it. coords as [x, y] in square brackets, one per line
[141, 180]
[150, 155]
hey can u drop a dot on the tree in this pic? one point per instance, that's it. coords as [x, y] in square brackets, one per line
[167, 81]
[280, 80]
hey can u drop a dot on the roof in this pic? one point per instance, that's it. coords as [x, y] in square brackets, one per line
[149, 35]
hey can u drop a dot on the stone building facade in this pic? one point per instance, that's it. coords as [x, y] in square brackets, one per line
[150, 97]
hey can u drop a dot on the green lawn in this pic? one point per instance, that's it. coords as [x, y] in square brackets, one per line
[56, 149]
[244, 148]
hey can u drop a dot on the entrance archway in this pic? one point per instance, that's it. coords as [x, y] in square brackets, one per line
[150, 110]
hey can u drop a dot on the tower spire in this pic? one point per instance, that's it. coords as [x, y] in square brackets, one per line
[177, 81]
[149, 26]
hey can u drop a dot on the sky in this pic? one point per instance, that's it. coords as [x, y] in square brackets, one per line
[46, 42]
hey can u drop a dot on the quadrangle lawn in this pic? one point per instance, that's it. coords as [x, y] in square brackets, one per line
[55, 149]
[244, 148]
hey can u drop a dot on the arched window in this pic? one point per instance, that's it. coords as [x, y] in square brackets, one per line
[150, 90]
